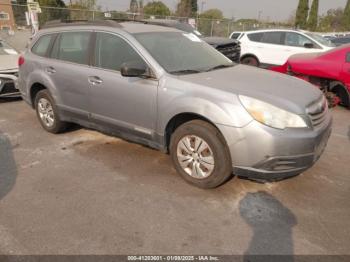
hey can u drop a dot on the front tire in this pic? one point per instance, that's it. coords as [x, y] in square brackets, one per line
[47, 113]
[200, 154]
[250, 61]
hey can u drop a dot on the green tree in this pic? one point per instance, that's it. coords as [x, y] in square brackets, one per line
[184, 8]
[332, 21]
[194, 6]
[82, 9]
[302, 13]
[19, 11]
[49, 14]
[346, 16]
[208, 26]
[213, 14]
[312, 22]
[156, 8]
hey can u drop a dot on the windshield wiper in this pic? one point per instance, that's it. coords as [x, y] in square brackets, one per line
[186, 71]
[218, 67]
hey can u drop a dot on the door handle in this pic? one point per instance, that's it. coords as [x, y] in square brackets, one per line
[95, 80]
[50, 70]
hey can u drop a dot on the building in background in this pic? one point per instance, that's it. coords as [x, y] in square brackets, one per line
[7, 21]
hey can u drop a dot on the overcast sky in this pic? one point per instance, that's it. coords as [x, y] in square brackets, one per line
[273, 9]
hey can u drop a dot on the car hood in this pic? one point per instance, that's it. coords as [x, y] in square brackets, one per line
[280, 90]
[303, 57]
[8, 63]
[217, 41]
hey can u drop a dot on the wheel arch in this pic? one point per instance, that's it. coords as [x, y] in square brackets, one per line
[34, 90]
[249, 55]
[340, 90]
[180, 119]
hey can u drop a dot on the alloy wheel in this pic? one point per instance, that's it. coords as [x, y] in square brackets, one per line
[46, 113]
[195, 157]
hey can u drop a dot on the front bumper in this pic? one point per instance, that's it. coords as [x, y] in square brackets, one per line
[262, 153]
[8, 85]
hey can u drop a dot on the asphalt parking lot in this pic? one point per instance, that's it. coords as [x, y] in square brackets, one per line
[82, 192]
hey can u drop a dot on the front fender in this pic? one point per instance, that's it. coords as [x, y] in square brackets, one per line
[223, 113]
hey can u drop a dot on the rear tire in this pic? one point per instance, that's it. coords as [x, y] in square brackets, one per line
[341, 92]
[47, 113]
[200, 154]
[250, 61]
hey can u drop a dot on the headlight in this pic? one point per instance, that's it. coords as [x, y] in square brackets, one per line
[270, 115]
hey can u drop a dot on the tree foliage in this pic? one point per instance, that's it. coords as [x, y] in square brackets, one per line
[82, 9]
[184, 8]
[213, 14]
[194, 6]
[187, 8]
[332, 21]
[302, 14]
[312, 22]
[346, 16]
[157, 8]
[52, 13]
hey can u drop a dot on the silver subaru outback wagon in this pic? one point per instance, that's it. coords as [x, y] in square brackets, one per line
[169, 90]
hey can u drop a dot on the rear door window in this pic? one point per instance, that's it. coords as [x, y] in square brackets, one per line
[255, 37]
[275, 38]
[72, 47]
[41, 47]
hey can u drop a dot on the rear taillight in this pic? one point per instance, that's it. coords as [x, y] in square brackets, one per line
[20, 61]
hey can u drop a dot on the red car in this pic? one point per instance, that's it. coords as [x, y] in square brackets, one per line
[330, 71]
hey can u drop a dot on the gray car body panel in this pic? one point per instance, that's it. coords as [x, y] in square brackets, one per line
[141, 109]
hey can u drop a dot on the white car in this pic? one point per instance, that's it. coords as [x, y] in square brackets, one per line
[8, 70]
[273, 47]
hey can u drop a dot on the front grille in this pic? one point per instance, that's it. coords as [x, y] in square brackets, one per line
[9, 88]
[232, 51]
[318, 112]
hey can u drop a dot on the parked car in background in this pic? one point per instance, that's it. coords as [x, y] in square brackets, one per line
[229, 47]
[236, 35]
[8, 70]
[330, 71]
[273, 47]
[338, 41]
[170, 90]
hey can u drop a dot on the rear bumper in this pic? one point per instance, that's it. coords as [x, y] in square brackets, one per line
[8, 86]
[262, 153]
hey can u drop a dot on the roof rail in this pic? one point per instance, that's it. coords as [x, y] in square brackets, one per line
[61, 23]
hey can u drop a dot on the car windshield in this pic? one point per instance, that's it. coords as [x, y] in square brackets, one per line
[5, 49]
[321, 39]
[182, 53]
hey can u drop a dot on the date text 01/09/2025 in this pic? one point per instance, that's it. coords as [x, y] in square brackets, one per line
[173, 258]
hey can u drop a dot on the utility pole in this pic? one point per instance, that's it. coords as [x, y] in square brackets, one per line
[202, 6]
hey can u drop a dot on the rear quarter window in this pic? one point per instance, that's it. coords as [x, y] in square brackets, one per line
[235, 35]
[41, 47]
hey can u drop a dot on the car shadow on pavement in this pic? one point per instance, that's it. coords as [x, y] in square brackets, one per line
[272, 225]
[9, 99]
[8, 169]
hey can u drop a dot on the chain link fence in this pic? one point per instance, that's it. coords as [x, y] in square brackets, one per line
[207, 27]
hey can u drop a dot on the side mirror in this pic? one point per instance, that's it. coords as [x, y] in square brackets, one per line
[134, 69]
[309, 45]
